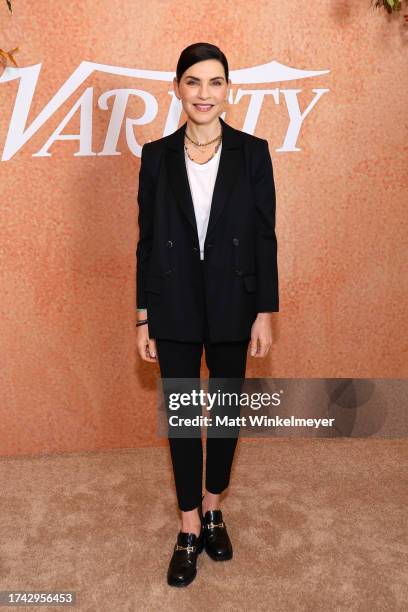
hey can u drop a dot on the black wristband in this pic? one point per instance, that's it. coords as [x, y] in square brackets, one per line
[141, 322]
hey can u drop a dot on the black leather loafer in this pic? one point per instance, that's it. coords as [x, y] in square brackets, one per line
[216, 540]
[182, 568]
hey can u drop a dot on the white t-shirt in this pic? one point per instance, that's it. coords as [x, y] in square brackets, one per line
[201, 178]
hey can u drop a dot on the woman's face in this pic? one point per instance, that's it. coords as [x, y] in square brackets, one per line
[202, 90]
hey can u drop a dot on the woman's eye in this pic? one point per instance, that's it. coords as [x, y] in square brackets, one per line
[194, 83]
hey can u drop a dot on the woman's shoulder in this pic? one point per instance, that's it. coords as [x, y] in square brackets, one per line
[151, 153]
[152, 145]
[249, 139]
[256, 148]
[254, 142]
[153, 148]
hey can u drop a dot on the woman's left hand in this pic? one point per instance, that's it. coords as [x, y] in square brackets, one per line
[261, 335]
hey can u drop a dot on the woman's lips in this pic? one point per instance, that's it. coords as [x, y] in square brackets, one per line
[203, 108]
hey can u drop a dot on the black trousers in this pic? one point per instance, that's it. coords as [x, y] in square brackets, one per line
[183, 360]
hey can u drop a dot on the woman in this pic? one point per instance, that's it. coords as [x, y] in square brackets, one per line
[206, 276]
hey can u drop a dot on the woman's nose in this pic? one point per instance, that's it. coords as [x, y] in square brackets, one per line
[203, 93]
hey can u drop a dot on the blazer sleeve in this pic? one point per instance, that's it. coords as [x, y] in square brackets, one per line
[266, 243]
[145, 198]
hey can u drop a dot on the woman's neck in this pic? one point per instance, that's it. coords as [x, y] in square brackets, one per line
[203, 132]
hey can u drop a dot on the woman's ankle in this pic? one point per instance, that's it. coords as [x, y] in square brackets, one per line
[211, 501]
[191, 528]
[191, 522]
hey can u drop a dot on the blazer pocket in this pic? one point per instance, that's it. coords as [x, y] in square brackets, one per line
[250, 282]
[154, 284]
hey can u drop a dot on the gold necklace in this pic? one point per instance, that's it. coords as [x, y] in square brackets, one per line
[203, 144]
[206, 162]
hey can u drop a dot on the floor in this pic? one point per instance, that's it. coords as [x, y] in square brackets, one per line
[315, 525]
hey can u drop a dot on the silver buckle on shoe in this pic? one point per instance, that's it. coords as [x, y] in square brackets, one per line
[187, 548]
[212, 525]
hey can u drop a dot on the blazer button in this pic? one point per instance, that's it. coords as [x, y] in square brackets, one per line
[169, 243]
[168, 271]
[235, 241]
[239, 272]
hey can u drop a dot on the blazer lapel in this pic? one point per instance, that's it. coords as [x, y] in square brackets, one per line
[228, 170]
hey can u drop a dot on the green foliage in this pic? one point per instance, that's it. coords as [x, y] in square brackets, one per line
[389, 5]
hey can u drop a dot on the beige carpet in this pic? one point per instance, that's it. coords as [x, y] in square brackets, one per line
[315, 525]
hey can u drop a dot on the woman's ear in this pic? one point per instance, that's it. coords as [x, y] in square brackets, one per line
[228, 90]
[175, 87]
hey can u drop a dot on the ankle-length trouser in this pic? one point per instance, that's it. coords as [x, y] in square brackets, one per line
[183, 360]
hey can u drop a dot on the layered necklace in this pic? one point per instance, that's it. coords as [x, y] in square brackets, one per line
[203, 144]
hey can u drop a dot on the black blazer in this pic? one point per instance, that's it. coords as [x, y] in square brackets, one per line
[241, 272]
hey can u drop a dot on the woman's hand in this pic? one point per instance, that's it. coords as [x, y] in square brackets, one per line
[261, 335]
[146, 346]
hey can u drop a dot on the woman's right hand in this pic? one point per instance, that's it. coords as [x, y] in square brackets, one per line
[146, 346]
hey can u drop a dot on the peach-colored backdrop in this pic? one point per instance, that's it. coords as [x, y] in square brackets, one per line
[70, 377]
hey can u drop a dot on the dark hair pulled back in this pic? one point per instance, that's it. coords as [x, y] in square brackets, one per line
[198, 52]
